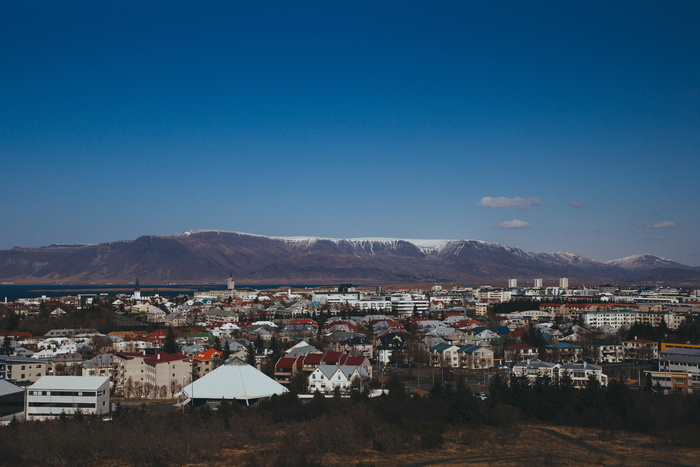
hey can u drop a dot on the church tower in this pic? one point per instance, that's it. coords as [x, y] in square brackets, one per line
[231, 284]
[137, 290]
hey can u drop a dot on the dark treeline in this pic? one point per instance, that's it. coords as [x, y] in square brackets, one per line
[614, 407]
[288, 431]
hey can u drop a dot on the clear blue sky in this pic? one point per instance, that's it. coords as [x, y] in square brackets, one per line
[548, 126]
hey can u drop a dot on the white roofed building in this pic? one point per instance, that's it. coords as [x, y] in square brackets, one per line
[53, 395]
[233, 381]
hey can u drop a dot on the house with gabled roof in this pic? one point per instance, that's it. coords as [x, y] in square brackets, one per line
[326, 378]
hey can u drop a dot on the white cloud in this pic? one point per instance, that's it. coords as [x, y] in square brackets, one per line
[576, 204]
[517, 202]
[514, 224]
[663, 225]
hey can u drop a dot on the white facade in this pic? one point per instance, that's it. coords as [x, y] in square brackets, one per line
[617, 318]
[407, 305]
[538, 284]
[53, 395]
[325, 378]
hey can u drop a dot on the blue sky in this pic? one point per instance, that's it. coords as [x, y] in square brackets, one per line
[548, 126]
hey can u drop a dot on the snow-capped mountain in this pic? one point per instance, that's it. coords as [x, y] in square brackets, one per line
[645, 261]
[210, 256]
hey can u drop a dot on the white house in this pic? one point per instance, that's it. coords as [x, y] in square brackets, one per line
[325, 378]
[53, 395]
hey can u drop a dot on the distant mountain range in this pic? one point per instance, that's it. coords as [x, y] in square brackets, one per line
[210, 256]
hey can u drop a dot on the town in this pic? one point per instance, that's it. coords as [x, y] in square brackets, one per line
[95, 354]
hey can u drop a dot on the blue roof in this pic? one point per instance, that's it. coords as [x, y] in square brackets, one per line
[441, 347]
[469, 348]
[564, 345]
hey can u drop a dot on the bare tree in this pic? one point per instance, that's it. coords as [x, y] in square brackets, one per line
[129, 387]
[174, 388]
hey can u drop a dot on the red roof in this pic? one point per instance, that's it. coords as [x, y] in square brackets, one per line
[208, 355]
[521, 347]
[163, 357]
[352, 361]
[17, 334]
[313, 359]
[286, 363]
[332, 357]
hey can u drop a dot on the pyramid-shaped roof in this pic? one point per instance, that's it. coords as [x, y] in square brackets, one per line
[234, 381]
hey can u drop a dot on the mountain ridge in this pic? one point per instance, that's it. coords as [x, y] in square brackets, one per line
[209, 255]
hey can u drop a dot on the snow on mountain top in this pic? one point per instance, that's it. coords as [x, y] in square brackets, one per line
[423, 244]
[637, 257]
[641, 260]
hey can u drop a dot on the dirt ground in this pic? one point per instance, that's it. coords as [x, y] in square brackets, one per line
[526, 445]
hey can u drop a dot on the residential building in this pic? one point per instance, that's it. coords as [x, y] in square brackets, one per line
[475, 357]
[326, 378]
[166, 373]
[563, 352]
[641, 349]
[580, 373]
[207, 361]
[22, 370]
[533, 369]
[605, 352]
[101, 365]
[520, 352]
[445, 355]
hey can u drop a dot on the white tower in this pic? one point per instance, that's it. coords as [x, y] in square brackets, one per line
[137, 290]
[538, 283]
[230, 284]
[563, 282]
[512, 283]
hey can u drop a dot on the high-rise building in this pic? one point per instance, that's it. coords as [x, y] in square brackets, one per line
[563, 282]
[512, 283]
[538, 283]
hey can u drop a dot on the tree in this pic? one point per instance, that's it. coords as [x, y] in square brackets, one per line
[169, 344]
[226, 352]
[6, 346]
[250, 356]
